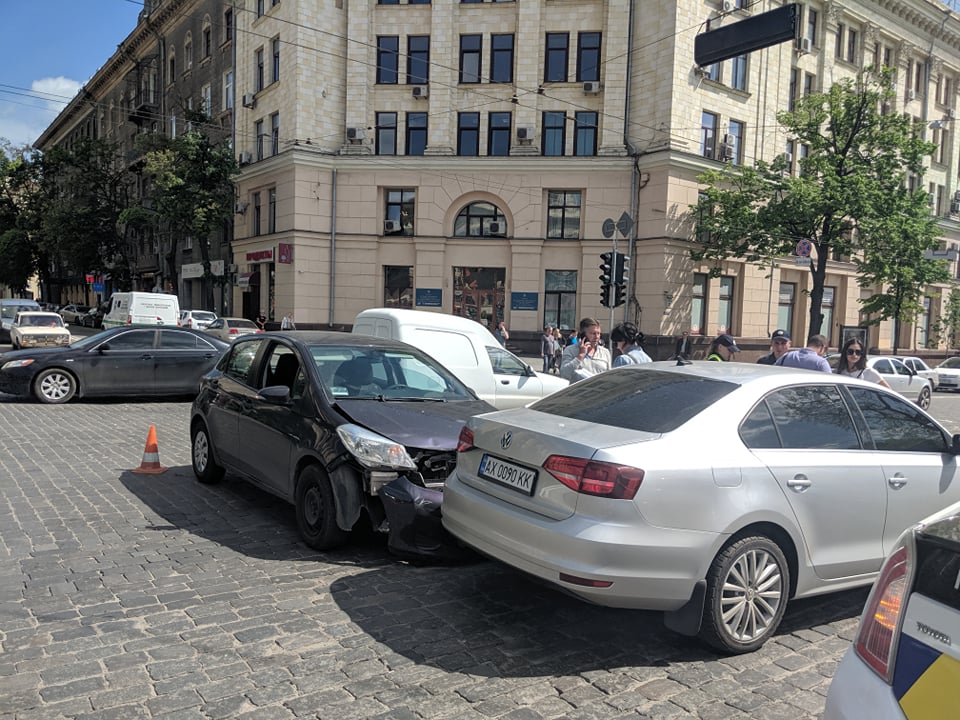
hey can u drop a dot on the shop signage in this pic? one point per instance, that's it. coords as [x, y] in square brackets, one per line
[524, 300]
[285, 253]
[260, 256]
[191, 271]
[429, 297]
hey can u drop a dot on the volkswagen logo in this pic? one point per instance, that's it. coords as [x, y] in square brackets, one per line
[506, 439]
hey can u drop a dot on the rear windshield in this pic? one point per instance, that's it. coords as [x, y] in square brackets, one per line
[239, 323]
[201, 315]
[636, 399]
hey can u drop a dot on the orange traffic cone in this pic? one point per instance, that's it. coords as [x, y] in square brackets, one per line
[151, 456]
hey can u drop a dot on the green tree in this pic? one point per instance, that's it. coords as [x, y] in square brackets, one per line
[948, 326]
[17, 247]
[191, 193]
[856, 166]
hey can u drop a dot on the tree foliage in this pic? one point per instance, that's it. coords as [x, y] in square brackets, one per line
[848, 198]
[17, 247]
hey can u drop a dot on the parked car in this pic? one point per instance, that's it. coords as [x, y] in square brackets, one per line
[38, 329]
[904, 662]
[93, 318]
[121, 362]
[334, 423]
[898, 376]
[467, 349]
[71, 313]
[595, 489]
[920, 367]
[948, 373]
[229, 328]
[9, 307]
[197, 319]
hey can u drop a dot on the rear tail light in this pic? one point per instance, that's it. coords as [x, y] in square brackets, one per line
[592, 477]
[883, 617]
[233, 331]
[465, 441]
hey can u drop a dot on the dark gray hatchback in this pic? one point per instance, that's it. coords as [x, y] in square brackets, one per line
[335, 423]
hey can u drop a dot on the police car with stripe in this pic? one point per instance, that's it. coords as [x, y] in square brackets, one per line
[905, 662]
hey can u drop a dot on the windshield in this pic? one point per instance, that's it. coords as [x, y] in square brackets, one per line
[636, 398]
[46, 320]
[384, 374]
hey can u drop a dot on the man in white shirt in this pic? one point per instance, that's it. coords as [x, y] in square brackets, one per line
[287, 322]
[588, 356]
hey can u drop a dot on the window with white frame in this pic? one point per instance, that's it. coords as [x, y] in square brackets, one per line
[399, 207]
[785, 304]
[275, 134]
[188, 53]
[275, 48]
[708, 134]
[725, 302]
[258, 71]
[206, 100]
[737, 130]
[228, 90]
[698, 304]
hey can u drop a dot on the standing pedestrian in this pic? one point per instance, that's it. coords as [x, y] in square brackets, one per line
[261, 322]
[287, 322]
[722, 349]
[547, 346]
[501, 333]
[810, 357]
[779, 346]
[627, 338]
[588, 357]
[682, 349]
[853, 363]
[558, 350]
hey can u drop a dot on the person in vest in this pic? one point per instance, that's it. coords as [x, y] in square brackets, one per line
[627, 338]
[722, 349]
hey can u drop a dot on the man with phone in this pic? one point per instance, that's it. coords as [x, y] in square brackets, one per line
[588, 356]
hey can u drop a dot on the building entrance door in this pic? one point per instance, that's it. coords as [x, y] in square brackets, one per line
[478, 294]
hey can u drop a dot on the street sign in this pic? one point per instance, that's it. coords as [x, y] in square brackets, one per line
[609, 227]
[624, 224]
[804, 248]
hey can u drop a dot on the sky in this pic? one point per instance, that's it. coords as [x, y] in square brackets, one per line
[48, 50]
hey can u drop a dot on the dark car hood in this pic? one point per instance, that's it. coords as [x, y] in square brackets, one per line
[426, 425]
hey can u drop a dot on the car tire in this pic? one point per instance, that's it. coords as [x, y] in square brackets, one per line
[205, 467]
[54, 386]
[316, 510]
[924, 400]
[747, 589]
[14, 344]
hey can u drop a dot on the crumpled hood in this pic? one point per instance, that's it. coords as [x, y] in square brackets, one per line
[425, 425]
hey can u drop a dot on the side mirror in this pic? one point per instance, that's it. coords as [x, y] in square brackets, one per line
[530, 372]
[955, 444]
[275, 394]
[101, 348]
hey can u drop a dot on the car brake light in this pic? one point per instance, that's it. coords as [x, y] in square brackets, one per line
[465, 441]
[884, 615]
[233, 331]
[593, 477]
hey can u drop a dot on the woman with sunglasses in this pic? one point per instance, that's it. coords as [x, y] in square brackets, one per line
[853, 362]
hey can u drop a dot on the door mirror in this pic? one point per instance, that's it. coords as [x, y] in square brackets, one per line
[275, 395]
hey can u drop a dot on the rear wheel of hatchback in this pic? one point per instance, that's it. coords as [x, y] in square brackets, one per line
[747, 589]
[205, 467]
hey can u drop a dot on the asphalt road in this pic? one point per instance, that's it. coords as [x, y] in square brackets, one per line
[152, 596]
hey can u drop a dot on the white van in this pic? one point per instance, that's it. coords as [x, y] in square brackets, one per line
[142, 308]
[467, 349]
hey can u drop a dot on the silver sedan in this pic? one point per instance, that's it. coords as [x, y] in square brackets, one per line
[714, 492]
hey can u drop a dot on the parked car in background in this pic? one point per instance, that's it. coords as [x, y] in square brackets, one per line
[904, 662]
[922, 369]
[229, 328]
[93, 318]
[121, 362]
[71, 313]
[333, 423]
[948, 373]
[9, 307]
[196, 319]
[595, 489]
[904, 380]
[142, 308]
[38, 329]
[467, 349]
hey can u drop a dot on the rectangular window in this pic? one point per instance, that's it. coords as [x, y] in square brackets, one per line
[563, 214]
[738, 73]
[851, 46]
[560, 299]
[708, 134]
[554, 133]
[206, 100]
[398, 286]
[388, 59]
[498, 133]
[838, 43]
[228, 25]
[258, 78]
[588, 56]
[737, 130]
[228, 90]
[801, 156]
[276, 59]
[275, 134]
[811, 31]
[400, 206]
[260, 4]
[585, 133]
[501, 58]
[918, 78]
[826, 307]
[386, 141]
[923, 324]
[172, 68]
[471, 50]
[725, 305]
[698, 305]
[558, 48]
[258, 134]
[790, 156]
[785, 303]
[207, 42]
[712, 72]
[256, 215]
[468, 133]
[809, 83]
[793, 88]
[272, 210]
[416, 140]
[418, 60]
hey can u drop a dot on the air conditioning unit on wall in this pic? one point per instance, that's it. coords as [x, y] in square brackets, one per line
[805, 45]
[421, 91]
[526, 133]
[591, 87]
[726, 152]
[911, 94]
[391, 226]
[356, 134]
[497, 228]
[245, 158]
[249, 100]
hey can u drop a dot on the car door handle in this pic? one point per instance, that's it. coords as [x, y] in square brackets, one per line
[897, 481]
[799, 483]
[504, 382]
[146, 356]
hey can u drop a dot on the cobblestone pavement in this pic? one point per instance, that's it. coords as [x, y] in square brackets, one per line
[152, 596]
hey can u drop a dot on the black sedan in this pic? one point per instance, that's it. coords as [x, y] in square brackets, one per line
[340, 426]
[125, 361]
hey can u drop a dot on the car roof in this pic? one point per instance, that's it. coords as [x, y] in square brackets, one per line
[33, 313]
[325, 337]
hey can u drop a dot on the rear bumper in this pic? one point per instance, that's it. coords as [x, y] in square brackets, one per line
[857, 692]
[649, 568]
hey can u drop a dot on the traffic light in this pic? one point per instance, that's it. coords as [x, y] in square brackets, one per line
[606, 295]
[621, 271]
[619, 294]
[608, 266]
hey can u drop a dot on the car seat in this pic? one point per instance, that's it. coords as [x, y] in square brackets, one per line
[286, 370]
[354, 374]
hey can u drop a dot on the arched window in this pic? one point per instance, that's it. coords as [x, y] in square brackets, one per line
[188, 52]
[480, 219]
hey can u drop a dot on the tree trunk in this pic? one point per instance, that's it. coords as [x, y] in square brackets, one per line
[818, 271]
